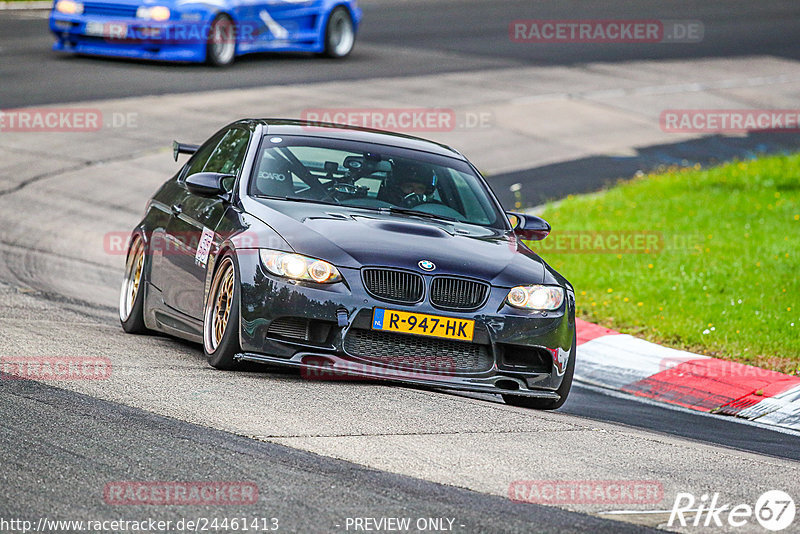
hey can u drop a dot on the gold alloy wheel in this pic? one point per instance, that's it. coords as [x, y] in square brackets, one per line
[132, 279]
[218, 308]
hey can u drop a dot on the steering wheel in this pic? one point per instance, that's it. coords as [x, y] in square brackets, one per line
[341, 188]
[414, 200]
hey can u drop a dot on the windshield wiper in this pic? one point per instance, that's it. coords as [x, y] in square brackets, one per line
[298, 199]
[392, 209]
[425, 214]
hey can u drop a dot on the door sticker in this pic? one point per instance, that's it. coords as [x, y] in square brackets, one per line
[204, 247]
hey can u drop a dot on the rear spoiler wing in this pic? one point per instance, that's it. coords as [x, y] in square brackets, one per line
[181, 148]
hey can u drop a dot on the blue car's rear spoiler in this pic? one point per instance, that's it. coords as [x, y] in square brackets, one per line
[181, 148]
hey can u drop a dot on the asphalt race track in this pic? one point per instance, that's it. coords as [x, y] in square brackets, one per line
[304, 490]
[397, 39]
[322, 452]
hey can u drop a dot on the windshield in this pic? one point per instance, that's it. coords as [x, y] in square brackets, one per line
[371, 176]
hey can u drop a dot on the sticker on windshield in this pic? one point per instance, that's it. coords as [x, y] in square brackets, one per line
[204, 247]
[266, 175]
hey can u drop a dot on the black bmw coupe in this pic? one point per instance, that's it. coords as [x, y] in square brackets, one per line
[350, 252]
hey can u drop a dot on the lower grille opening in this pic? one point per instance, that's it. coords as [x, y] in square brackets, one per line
[318, 361]
[522, 358]
[508, 385]
[300, 329]
[429, 354]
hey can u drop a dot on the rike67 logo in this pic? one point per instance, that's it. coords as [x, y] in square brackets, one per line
[774, 510]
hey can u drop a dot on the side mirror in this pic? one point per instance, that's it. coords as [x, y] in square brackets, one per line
[207, 184]
[529, 227]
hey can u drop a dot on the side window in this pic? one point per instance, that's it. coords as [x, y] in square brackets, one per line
[200, 158]
[228, 157]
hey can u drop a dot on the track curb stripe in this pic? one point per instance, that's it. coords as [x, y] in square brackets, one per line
[631, 365]
[588, 331]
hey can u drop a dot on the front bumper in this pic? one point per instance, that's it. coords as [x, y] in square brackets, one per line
[523, 353]
[164, 41]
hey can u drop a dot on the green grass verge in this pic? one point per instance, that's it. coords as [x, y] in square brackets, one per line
[724, 277]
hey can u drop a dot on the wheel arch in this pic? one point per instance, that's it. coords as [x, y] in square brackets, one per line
[226, 11]
[141, 232]
[326, 15]
[225, 248]
[213, 264]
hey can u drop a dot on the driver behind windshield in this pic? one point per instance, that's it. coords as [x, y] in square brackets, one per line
[409, 185]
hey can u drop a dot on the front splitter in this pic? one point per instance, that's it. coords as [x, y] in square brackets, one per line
[336, 367]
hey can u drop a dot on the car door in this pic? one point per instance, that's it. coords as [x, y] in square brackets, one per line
[167, 245]
[273, 24]
[194, 221]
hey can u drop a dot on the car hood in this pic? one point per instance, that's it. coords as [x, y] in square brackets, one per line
[167, 3]
[354, 238]
[172, 4]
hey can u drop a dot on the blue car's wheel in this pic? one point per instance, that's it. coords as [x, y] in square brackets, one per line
[340, 35]
[221, 47]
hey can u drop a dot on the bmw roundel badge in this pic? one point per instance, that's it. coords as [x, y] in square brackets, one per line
[426, 265]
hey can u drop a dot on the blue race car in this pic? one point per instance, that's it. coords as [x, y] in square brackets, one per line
[211, 31]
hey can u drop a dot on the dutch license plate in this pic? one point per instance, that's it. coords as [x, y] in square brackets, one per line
[423, 324]
[113, 30]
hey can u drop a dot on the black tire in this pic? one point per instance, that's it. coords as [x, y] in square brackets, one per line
[131, 312]
[221, 351]
[340, 34]
[221, 42]
[563, 389]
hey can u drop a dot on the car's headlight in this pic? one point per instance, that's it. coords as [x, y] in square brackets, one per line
[157, 13]
[299, 267]
[536, 297]
[69, 7]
